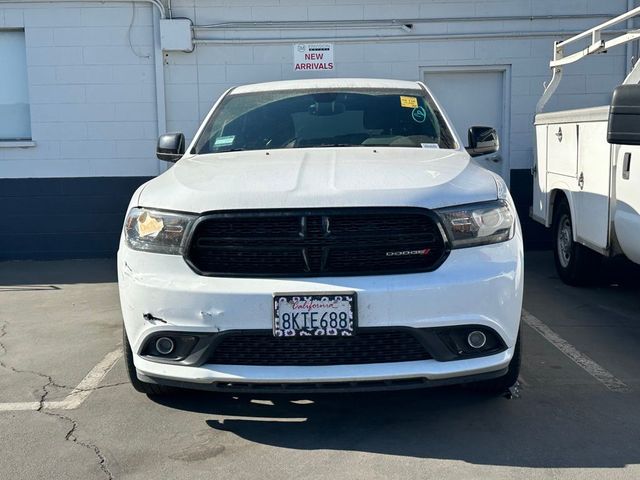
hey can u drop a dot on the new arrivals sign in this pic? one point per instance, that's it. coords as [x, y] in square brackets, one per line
[313, 57]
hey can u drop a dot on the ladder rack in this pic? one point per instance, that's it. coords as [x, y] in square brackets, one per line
[597, 45]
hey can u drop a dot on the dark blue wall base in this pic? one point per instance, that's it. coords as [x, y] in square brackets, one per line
[59, 218]
[536, 236]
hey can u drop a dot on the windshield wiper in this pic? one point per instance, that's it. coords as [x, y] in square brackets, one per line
[330, 145]
[389, 145]
[239, 149]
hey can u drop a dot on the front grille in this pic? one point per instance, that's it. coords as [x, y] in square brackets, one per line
[262, 348]
[362, 241]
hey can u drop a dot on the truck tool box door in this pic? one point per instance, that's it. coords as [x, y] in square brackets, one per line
[592, 196]
[562, 149]
[540, 205]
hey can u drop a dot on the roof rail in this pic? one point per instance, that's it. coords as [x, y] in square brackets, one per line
[597, 45]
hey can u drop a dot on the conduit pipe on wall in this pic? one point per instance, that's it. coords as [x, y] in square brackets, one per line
[377, 23]
[161, 102]
[157, 3]
[387, 38]
[307, 25]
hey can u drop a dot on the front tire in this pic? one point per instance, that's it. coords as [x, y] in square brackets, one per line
[575, 263]
[138, 385]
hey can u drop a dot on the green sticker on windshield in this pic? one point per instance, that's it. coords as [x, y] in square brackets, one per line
[419, 115]
[224, 141]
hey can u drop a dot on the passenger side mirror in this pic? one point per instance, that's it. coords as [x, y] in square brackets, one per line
[482, 141]
[170, 147]
[624, 116]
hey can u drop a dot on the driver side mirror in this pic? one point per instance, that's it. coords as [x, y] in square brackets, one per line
[482, 141]
[170, 147]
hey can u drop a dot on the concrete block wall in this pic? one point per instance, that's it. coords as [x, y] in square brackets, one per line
[92, 94]
[213, 68]
[93, 121]
[93, 102]
[91, 90]
[58, 218]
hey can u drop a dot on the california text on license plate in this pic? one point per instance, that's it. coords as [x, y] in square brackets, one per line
[327, 314]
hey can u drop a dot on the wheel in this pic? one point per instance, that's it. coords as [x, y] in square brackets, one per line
[500, 385]
[138, 385]
[575, 263]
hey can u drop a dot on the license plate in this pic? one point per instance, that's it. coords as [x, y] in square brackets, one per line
[326, 314]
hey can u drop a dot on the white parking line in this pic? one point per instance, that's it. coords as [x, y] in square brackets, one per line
[89, 383]
[19, 406]
[78, 395]
[592, 368]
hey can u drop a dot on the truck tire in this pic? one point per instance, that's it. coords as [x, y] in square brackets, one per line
[500, 385]
[138, 385]
[575, 263]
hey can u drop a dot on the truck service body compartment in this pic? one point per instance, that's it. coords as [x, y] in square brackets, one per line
[574, 157]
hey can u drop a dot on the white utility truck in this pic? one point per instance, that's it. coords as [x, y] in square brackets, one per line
[587, 168]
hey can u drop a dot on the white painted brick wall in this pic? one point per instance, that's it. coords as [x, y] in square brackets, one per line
[93, 105]
[589, 83]
[93, 97]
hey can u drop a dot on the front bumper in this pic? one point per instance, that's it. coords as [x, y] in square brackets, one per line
[480, 286]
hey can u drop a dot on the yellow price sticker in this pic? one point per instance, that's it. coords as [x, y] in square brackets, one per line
[408, 102]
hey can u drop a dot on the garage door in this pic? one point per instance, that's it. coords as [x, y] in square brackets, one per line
[474, 97]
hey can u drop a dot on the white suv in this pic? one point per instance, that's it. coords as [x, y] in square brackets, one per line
[322, 235]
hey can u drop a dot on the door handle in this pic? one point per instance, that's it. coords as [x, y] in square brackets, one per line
[495, 158]
[626, 166]
[581, 180]
[559, 134]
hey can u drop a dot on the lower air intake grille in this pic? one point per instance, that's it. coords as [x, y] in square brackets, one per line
[373, 346]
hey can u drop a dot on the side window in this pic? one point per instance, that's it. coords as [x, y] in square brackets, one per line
[15, 117]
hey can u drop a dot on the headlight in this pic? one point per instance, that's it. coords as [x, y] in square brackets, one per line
[478, 223]
[156, 231]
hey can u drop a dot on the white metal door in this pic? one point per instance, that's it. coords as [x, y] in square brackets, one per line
[592, 196]
[626, 218]
[474, 96]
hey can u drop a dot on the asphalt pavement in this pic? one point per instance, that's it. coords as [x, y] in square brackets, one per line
[68, 412]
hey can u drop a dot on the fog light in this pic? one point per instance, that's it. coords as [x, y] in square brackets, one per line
[165, 345]
[477, 339]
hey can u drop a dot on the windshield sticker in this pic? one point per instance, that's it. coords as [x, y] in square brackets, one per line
[419, 115]
[429, 145]
[224, 141]
[408, 102]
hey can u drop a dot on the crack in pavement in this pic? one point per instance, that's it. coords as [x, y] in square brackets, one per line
[50, 381]
[70, 436]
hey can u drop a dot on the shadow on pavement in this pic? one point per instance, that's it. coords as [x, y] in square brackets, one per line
[41, 275]
[449, 423]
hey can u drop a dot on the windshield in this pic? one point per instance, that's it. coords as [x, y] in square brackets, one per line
[325, 118]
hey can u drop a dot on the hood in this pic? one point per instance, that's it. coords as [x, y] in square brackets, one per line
[320, 177]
